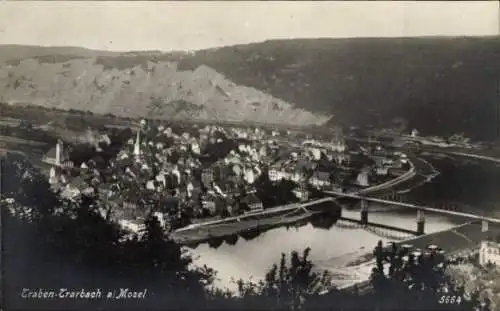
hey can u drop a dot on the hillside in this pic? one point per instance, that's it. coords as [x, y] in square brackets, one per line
[439, 85]
[138, 84]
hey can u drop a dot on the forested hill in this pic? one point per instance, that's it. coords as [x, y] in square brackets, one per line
[438, 85]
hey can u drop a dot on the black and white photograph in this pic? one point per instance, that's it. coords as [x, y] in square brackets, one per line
[250, 155]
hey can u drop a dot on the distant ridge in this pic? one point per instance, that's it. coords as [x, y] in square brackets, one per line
[439, 85]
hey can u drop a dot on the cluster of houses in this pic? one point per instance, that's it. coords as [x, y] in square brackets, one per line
[166, 172]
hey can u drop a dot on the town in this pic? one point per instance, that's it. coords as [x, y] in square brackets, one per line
[187, 174]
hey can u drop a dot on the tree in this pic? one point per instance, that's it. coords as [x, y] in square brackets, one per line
[398, 283]
[286, 286]
[28, 187]
[401, 278]
[275, 194]
[76, 233]
[285, 193]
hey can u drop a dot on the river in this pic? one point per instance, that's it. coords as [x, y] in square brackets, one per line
[473, 184]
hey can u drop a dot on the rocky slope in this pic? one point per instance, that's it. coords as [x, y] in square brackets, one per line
[138, 85]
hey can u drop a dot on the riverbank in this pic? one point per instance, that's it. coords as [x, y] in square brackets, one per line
[263, 220]
[204, 233]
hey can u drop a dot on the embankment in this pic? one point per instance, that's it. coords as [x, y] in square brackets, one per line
[282, 215]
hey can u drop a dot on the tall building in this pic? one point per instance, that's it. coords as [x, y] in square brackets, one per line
[137, 145]
[58, 152]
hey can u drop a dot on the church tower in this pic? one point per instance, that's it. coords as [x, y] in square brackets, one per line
[59, 148]
[137, 146]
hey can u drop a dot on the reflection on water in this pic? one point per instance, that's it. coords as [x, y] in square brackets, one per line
[255, 252]
[322, 222]
[215, 242]
[249, 235]
[251, 253]
[231, 240]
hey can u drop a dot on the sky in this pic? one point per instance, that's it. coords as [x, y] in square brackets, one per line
[166, 26]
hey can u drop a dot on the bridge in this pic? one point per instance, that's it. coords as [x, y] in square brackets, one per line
[420, 210]
[284, 215]
[413, 206]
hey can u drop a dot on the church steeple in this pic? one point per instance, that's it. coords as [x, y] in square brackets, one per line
[59, 148]
[137, 146]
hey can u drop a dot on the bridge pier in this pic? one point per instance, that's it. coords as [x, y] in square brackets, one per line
[420, 222]
[364, 212]
[484, 226]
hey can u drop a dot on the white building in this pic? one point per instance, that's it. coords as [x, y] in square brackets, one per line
[316, 153]
[53, 177]
[301, 194]
[159, 216]
[137, 145]
[381, 171]
[362, 179]
[132, 226]
[320, 179]
[195, 147]
[489, 253]
[276, 174]
[248, 175]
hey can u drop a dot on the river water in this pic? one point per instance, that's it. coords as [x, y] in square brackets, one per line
[333, 246]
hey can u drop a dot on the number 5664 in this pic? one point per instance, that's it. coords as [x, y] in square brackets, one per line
[445, 299]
